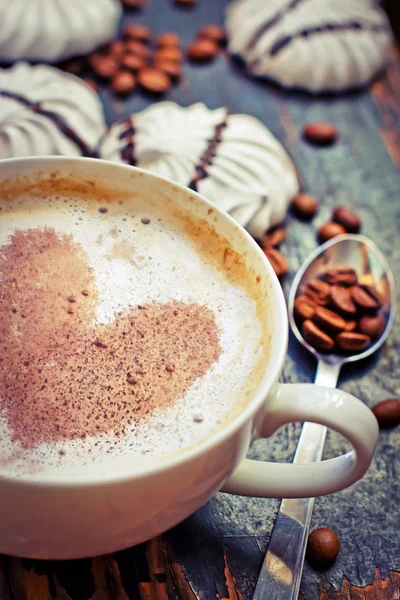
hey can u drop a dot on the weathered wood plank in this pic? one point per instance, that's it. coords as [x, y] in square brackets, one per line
[178, 579]
[386, 94]
[26, 583]
[380, 589]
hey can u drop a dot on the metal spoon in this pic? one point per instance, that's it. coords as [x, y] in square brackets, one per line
[283, 564]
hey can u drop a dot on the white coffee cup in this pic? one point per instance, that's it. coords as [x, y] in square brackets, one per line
[43, 517]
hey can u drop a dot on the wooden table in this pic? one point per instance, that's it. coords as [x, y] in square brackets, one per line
[217, 553]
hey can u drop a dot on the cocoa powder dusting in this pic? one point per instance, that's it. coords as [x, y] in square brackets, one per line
[62, 375]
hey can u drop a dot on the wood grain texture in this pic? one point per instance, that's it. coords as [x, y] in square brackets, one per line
[386, 94]
[381, 589]
[218, 551]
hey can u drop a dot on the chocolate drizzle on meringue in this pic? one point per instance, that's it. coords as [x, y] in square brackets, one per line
[273, 21]
[206, 159]
[128, 134]
[326, 27]
[37, 107]
[283, 41]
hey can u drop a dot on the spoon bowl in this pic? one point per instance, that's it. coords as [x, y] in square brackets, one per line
[287, 545]
[361, 254]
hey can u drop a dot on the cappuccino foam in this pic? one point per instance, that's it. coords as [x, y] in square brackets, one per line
[121, 341]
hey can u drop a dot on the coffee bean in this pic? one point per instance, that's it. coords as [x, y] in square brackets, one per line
[133, 4]
[321, 134]
[104, 66]
[85, 293]
[316, 337]
[172, 69]
[351, 326]
[340, 276]
[135, 47]
[318, 290]
[154, 80]
[303, 308]
[71, 299]
[186, 3]
[202, 50]
[342, 302]
[141, 33]
[273, 238]
[278, 261]
[387, 412]
[133, 62]
[350, 341]
[347, 218]
[373, 292]
[145, 221]
[116, 48]
[323, 546]
[170, 368]
[365, 301]
[304, 206]
[123, 83]
[170, 53]
[329, 321]
[216, 33]
[169, 38]
[372, 326]
[327, 231]
[103, 210]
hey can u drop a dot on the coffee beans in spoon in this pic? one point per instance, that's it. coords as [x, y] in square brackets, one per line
[337, 313]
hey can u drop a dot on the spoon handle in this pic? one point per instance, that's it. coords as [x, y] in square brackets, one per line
[282, 568]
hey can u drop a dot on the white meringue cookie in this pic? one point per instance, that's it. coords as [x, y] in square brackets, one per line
[45, 111]
[317, 45]
[51, 30]
[233, 160]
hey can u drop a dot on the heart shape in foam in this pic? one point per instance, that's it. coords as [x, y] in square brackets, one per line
[65, 376]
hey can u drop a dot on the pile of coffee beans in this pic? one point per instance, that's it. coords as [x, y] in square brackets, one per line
[336, 313]
[270, 243]
[139, 60]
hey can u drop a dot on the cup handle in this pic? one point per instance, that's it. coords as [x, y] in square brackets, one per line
[331, 407]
